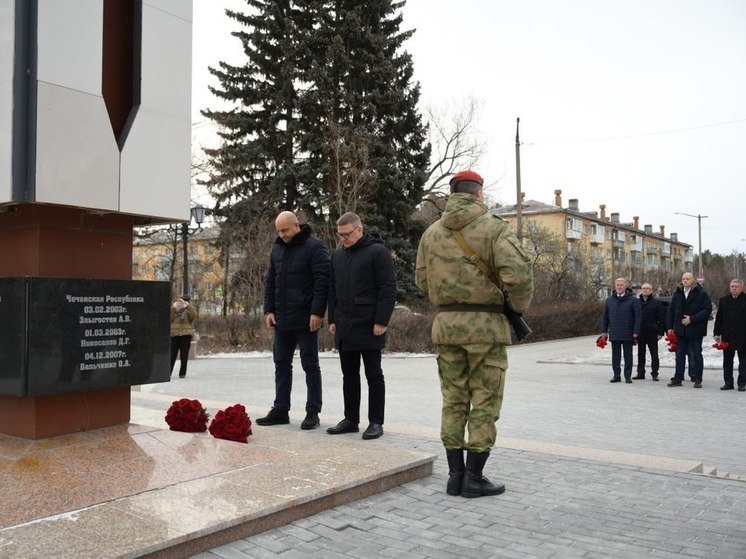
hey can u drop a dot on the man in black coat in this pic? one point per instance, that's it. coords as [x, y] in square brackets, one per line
[730, 326]
[653, 328]
[295, 294]
[687, 317]
[361, 300]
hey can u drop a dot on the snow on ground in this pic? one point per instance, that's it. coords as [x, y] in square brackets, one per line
[593, 356]
[597, 356]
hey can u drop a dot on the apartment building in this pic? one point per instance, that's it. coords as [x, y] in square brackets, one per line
[158, 255]
[616, 249]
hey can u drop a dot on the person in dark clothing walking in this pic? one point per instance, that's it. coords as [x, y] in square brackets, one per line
[730, 327]
[687, 317]
[361, 300]
[621, 326]
[295, 296]
[653, 328]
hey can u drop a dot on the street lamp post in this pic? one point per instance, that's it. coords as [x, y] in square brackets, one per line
[699, 232]
[198, 215]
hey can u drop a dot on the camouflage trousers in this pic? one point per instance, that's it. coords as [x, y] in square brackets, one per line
[472, 381]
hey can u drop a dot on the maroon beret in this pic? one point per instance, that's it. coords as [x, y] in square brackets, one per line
[466, 176]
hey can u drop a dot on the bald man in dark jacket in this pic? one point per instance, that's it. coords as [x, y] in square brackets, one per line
[687, 317]
[295, 296]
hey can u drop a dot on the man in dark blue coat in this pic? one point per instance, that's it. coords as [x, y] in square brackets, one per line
[653, 328]
[361, 300]
[295, 295]
[730, 327]
[687, 317]
[621, 326]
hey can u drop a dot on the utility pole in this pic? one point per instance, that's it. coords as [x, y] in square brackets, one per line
[699, 218]
[518, 203]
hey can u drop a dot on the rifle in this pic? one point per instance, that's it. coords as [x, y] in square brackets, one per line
[520, 327]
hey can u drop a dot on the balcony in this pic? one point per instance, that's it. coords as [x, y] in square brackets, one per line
[573, 228]
[597, 235]
[652, 249]
[617, 239]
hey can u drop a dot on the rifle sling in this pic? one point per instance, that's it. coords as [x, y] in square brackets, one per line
[474, 257]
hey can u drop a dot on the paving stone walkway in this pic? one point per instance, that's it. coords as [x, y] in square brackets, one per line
[593, 469]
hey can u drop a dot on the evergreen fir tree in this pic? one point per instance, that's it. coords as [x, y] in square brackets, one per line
[326, 121]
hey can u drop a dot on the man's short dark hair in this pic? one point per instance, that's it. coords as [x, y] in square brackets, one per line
[469, 187]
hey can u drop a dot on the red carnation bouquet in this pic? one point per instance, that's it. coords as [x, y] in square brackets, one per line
[671, 339]
[601, 342]
[188, 416]
[721, 345]
[231, 424]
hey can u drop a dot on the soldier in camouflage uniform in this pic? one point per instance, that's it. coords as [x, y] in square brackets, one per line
[469, 330]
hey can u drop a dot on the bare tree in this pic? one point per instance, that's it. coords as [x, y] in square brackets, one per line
[455, 141]
[560, 273]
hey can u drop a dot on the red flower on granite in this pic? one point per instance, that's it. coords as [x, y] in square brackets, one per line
[231, 424]
[188, 416]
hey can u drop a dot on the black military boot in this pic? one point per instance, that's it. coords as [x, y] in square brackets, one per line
[474, 483]
[455, 470]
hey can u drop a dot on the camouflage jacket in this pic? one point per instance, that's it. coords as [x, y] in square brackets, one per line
[448, 277]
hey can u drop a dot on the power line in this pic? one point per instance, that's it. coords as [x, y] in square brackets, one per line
[640, 135]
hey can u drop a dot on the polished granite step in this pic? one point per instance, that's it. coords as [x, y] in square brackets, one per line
[137, 490]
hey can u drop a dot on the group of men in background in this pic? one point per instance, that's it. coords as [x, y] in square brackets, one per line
[630, 320]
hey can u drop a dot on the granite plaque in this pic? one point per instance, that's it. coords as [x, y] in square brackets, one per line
[78, 335]
[12, 336]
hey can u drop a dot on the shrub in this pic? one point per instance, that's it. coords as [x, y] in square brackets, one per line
[408, 332]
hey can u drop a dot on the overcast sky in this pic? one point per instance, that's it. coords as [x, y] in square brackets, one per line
[636, 104]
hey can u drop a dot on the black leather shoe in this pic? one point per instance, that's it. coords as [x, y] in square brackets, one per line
[615, 379]
[639, 376]
[726, 387]
[742, 388]
[628, 380]
[311, 421]
[655, 377]
[344, 426]
[697, 384]
[274, 417]
[674, 382]
[373, 431]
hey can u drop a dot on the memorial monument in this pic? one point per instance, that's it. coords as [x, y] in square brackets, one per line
[94, 139]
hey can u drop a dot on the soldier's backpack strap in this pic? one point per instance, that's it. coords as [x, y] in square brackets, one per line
[474, 257]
